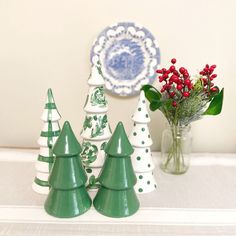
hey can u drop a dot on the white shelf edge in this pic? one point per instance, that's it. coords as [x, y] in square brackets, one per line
[145, 216]
[197, 159]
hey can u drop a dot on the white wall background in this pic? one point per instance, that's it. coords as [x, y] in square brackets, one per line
[47, 43]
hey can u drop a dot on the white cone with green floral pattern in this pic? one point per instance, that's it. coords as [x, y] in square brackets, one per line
[141, 141]
[96, 130]
[47, 139]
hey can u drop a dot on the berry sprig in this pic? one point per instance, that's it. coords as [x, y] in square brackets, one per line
[207, 76]
[178, 84]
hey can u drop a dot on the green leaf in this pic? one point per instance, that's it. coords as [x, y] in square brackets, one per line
[151, 93]
[92, 180]
[216, 104]
[155, 105]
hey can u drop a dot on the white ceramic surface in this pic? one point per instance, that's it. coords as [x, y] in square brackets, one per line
[140, 136]
[94, 128]
[141, 114]
[142, 160]
[93, 148]
[91, 105]
[146, 183]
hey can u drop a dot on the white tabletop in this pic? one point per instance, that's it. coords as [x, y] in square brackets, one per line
[200, 202]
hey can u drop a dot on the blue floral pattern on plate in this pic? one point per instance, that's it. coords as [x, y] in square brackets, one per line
[129, 55]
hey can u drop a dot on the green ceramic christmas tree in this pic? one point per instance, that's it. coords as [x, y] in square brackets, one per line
[68, 196]
[116, 196]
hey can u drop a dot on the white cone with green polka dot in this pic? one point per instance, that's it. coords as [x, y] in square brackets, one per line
[47, 139]
[96, 131]
[141, 141]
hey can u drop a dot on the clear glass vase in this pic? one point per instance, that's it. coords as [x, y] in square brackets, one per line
[176, 149]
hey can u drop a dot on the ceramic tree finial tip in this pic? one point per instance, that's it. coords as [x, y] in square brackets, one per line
[66, 144]
[119, 144]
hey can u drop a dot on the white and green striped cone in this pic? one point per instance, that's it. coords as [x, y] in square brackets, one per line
[47, 139]
[96, 131]
[141, 141]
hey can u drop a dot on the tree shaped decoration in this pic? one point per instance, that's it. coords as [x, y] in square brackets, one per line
[141, 141]
[96, 130]
[48, 137]
[116, 196]
[68, 196]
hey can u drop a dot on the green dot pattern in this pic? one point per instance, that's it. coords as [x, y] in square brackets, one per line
[134, 133]
[148, 182]
[140, 190]
[143, 142]
[146, 115]
[140, 177]
[146, 150]
[149, 165]
[143, 129]
[139, 109]
[138, 158]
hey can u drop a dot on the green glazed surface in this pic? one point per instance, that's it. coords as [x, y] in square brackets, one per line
[117, 173]
[119, 145]
[116, 203]
[66, 204]
[67, 173]
[67, 144]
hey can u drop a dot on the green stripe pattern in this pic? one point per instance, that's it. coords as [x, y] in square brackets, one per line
[46, 159]
[40, 182]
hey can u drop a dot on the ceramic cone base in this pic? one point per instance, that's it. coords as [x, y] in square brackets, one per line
[40, 189]
[146, 183]
[116, 203]
[67, 203]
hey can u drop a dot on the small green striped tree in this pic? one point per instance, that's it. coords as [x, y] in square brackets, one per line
[48, 137]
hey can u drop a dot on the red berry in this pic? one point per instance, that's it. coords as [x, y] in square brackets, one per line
[207, 66]
[174, 78]
[186, 94]
[162, 90]
[175, 72]
[179, 81]
[173, 60]
[172, 68]
[212, 84]
[213, 66]
[174, 104]
[213, 76]
[165, 76]
[186, 75]
[190, 86]
[179, 86]
[206, 70]
[172, 94]
[214, 89]
[161, 78]
[182, 70]
[163, 70]
[159, 71]
[187, 82]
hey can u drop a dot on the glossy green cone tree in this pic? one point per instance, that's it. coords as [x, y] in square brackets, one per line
[116, 196]
[68, 196]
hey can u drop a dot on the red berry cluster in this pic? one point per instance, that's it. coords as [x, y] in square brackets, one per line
[177, 82]
[207, 76]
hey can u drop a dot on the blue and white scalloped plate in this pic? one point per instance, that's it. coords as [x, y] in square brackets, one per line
[129, 55]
